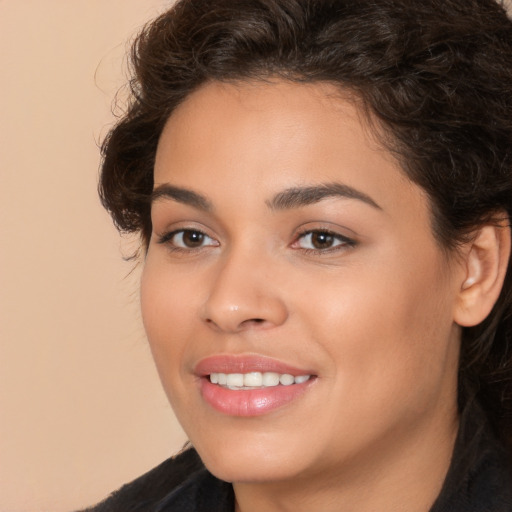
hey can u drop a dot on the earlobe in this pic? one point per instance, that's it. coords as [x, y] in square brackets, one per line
[485, 265]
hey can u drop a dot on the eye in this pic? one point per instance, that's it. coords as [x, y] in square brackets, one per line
[187, 239]
[322, 240]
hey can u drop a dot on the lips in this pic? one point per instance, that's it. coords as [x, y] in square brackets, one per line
[229, 363]
[250, 385]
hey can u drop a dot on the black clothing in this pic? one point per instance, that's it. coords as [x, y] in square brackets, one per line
[480, 475]
[479, 479]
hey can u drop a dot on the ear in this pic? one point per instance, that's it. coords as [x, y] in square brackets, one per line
[485, 264]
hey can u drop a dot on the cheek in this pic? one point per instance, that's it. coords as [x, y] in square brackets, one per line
[387, 328]
[166, 313]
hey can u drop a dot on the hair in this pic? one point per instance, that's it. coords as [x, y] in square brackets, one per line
[435, 75]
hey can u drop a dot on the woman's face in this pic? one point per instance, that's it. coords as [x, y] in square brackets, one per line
[288, 246]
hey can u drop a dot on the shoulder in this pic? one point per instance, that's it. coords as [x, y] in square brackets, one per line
[146, 493]
[480, 475]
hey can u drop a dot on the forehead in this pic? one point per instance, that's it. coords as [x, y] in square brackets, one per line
[260, 110]
[254, 139]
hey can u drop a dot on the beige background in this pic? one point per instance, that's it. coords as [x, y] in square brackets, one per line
[81, 409]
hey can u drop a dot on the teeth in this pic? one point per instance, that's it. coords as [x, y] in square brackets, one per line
[235, 379]
[270, 379]
[286, 379]
[254, 380]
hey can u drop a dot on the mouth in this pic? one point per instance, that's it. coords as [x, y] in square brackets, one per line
[255, 380]
[250, 385]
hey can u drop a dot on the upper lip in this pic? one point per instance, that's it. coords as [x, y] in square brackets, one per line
[234, 363]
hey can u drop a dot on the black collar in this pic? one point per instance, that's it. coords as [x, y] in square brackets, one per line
[480, 477]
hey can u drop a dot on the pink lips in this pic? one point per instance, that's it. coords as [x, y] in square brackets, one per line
[252, 402]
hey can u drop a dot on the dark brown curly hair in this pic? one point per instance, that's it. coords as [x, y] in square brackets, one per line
[436, 74]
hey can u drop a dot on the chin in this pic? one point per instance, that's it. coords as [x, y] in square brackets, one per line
[254, 460]
[251, 470]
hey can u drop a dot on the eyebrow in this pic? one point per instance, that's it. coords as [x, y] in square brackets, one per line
[290, 198]
[296, 197]
[181, 195]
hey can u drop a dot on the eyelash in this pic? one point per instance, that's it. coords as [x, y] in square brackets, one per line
[167, 239]
[343, 241]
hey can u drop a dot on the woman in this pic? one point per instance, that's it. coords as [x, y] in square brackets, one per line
[323, 192]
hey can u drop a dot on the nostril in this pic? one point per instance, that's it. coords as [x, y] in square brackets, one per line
[252, 322]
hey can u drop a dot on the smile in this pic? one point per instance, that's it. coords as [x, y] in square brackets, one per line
[251, 384]
[256, 380]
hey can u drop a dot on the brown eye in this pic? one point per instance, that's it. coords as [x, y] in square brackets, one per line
[322, 241]
[191, 239]
[187, 239]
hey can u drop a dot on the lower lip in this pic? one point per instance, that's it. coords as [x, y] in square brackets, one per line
[250, 402]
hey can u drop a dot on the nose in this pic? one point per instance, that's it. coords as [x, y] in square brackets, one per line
[243, 295]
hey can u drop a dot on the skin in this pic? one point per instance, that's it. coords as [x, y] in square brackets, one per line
[374, 319]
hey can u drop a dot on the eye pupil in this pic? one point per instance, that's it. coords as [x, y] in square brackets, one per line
[193, 238]
[321, 240]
